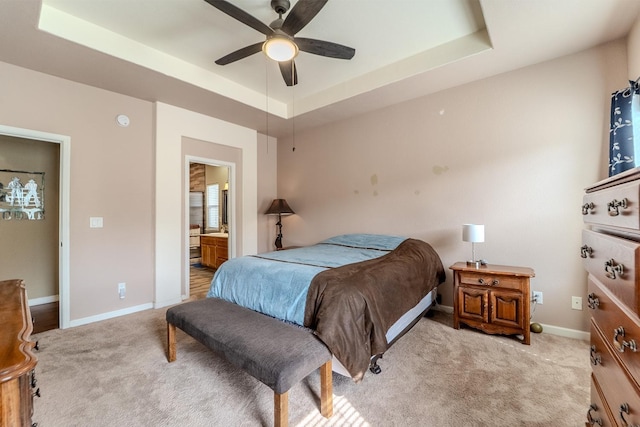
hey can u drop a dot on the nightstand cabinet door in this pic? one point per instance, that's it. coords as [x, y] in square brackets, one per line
[507, 309]
[473, 303]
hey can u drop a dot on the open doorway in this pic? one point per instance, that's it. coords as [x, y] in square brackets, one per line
[37, 227]
[208, 215]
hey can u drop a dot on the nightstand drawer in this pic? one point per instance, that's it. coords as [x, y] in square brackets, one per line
[613, 261]
[616, 206]
[610, 317]
[491, 280]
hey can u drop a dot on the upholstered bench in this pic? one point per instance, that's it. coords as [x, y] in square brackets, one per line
[276, 353]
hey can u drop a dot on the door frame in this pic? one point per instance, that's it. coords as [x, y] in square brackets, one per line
[63, 217]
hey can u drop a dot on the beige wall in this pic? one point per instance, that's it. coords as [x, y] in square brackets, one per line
[267, 190]
[29, 249]
[513, 152]
[111, 177]
[633, 51]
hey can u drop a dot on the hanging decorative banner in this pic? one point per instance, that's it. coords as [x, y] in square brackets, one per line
[21, 195]
[624, 134]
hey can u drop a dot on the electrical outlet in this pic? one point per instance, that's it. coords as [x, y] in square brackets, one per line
[122, 290]
[576, 303]
[537, 297]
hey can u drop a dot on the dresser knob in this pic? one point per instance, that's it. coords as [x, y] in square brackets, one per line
[614, 206]
[494, 282]
[593, 301]
[622, 344]
[586, 251]
[595, 357]
[586, 208]
[593, 421]
[611, 268]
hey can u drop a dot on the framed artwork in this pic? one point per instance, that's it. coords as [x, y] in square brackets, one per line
[21, 195]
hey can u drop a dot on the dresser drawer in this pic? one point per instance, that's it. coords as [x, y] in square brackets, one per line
[616, 206]
[613, 261]
[610, 317]
[491, 280]
[598, 414]
[622, 397]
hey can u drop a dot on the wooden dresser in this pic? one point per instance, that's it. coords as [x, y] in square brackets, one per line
[611, 254]
[17, 362]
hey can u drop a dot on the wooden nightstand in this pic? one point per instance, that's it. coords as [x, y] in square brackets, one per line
[492, 298]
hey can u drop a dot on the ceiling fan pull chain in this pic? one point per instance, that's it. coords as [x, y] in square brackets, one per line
[266, 101]
[293, 112]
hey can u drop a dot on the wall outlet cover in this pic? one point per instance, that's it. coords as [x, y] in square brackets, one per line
[576, 303]
[537, 297]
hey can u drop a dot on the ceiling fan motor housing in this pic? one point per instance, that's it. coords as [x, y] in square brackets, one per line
[280, 6]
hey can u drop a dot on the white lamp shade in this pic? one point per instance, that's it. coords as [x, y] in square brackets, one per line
[473, 233]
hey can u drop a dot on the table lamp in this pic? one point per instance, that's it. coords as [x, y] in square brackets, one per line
[279, 207]
[473, 233]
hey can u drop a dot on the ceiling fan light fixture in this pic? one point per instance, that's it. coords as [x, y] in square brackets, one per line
[280, 48]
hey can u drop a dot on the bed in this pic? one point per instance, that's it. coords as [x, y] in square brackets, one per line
[359, 293]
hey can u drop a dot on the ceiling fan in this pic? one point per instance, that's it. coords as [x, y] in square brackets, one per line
[281, 44]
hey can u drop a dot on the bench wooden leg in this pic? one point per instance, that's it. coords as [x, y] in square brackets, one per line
[171, 342]
[326, 390]
[281, 409]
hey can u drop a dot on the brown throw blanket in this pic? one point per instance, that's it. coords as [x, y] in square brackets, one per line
[352, 307]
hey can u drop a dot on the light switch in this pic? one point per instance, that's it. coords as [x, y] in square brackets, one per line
[95, 222]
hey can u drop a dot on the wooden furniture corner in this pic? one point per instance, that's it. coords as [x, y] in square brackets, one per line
[492, 298]
[17, 361]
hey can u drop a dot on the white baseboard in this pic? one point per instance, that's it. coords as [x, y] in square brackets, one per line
[565, 332]
[443, 308]
[549, 329]
[43, 300]
[110, 315]
[167, 303]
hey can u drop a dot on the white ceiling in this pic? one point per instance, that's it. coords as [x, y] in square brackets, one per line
[165, 50]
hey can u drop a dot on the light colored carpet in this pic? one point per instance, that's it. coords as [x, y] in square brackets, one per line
[115, 373]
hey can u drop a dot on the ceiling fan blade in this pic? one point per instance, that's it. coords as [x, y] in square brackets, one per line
[324, 48]
[240, 54]
[242, 16]
[301, 14]
[289, 72]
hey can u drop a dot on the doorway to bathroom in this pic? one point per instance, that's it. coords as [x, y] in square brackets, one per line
[208, 215]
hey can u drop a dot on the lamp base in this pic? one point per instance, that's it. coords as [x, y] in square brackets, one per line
[474, 264]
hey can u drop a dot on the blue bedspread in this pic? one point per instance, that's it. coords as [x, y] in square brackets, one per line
[276, 283]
